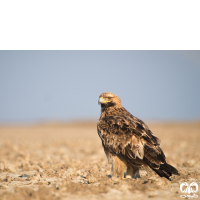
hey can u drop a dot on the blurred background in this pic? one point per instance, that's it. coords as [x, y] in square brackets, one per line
[42, 86]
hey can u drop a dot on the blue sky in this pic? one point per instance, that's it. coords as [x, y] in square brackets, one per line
[38, 86]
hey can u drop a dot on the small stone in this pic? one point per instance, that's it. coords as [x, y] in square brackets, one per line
[68, 172]
[146, 181]
[102, 170]
[92, 179]
[84, 175]
[115, 179]
[24, 175]
[79, 172]
[143, 173]
[78, 180]
[8, 179]
[36, 177]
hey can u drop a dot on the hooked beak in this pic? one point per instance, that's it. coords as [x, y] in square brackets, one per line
[102, 100]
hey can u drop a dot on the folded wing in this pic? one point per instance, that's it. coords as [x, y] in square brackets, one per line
[130, 139]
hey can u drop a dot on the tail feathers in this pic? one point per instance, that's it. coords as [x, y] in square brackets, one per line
[168, 168]
[163, 170]
[166, 171]
[162, 173]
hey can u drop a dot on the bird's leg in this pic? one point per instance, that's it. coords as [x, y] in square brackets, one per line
[132, 172]
[118, 167]
[129, 172]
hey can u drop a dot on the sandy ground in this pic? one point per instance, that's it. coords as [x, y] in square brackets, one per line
[67, 161]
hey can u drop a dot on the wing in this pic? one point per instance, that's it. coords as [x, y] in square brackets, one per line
[131, 139]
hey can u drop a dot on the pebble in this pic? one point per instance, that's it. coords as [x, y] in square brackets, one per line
[92, 179]
[8, 179]
[69, 172]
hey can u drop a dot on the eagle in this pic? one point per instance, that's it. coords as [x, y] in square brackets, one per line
[128, 142]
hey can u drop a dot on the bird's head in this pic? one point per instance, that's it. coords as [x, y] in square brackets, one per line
[108, 99]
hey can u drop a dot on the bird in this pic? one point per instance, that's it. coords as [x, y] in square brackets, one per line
[128, 142]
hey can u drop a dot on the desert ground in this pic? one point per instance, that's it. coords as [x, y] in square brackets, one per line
[61, 161]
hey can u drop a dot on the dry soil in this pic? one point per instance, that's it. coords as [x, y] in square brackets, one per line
[67, 161]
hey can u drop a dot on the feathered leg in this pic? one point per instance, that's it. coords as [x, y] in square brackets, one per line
[132, 171]
[118, 167]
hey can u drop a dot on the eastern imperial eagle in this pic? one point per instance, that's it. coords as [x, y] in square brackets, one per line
[128, 142]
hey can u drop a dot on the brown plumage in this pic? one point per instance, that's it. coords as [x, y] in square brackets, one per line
[128, 142]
